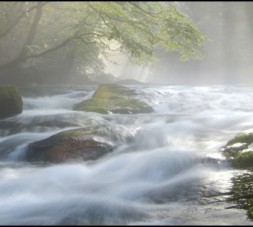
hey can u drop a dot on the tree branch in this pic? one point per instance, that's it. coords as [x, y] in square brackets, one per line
[30, 37]
[64, 43]
[141, 9]
[23, 14]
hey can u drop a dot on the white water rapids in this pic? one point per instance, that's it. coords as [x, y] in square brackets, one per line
[167, 168]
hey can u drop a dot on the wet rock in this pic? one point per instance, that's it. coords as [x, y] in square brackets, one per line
[244, 160]
[112, 98]
[11, 102]
[240, 150]
[75, 144]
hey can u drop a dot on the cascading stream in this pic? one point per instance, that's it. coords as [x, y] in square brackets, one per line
[166, 169]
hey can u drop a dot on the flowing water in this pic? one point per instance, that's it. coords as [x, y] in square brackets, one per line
[167, 168]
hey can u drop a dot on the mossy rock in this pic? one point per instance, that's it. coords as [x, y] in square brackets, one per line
[243, 160]
[106, 91]
[11, 102]
[239, 150]
[241, 138]
[113, 98]
[250, 212]
[75, 144]
[231, 151]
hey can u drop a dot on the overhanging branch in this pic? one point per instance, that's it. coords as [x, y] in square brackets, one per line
[23, 14]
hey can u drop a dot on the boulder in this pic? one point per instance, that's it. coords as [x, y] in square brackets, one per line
[75, 144]
[113, 98]
[11, 102]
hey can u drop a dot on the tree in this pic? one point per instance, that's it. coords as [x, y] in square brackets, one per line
[228, 49]
[87, 30]
[23, 54]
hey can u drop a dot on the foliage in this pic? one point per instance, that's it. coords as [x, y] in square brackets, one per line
[228, 49]
[91, 29]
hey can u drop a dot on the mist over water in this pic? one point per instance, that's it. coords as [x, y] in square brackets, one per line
[167, 167]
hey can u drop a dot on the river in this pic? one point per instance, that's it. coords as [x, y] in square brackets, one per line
[167, 168]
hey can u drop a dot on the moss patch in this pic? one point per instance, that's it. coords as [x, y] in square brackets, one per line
[241, 138]
[11, 102]
[239, 151]
[112, 98]
[243, 160]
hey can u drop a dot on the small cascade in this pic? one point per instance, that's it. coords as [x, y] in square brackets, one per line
[166, 168]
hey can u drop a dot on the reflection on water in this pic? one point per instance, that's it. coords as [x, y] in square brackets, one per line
[241, 192]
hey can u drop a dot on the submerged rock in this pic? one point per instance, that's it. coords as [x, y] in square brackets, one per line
[11, 102]
[113, 98]
[240, 150]
[83, 144]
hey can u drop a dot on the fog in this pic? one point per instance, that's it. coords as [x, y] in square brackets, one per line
[227, 57]
[123, 68]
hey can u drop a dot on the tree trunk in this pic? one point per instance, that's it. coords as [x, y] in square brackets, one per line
[29, 40]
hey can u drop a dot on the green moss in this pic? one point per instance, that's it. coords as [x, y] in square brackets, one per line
[243, 160]
[235, 153]
[93, 105]
[106, 91]
[11, 102]
[231, 152]
[116, 105]
[241, 138]
[250, 212]
[115, 99]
